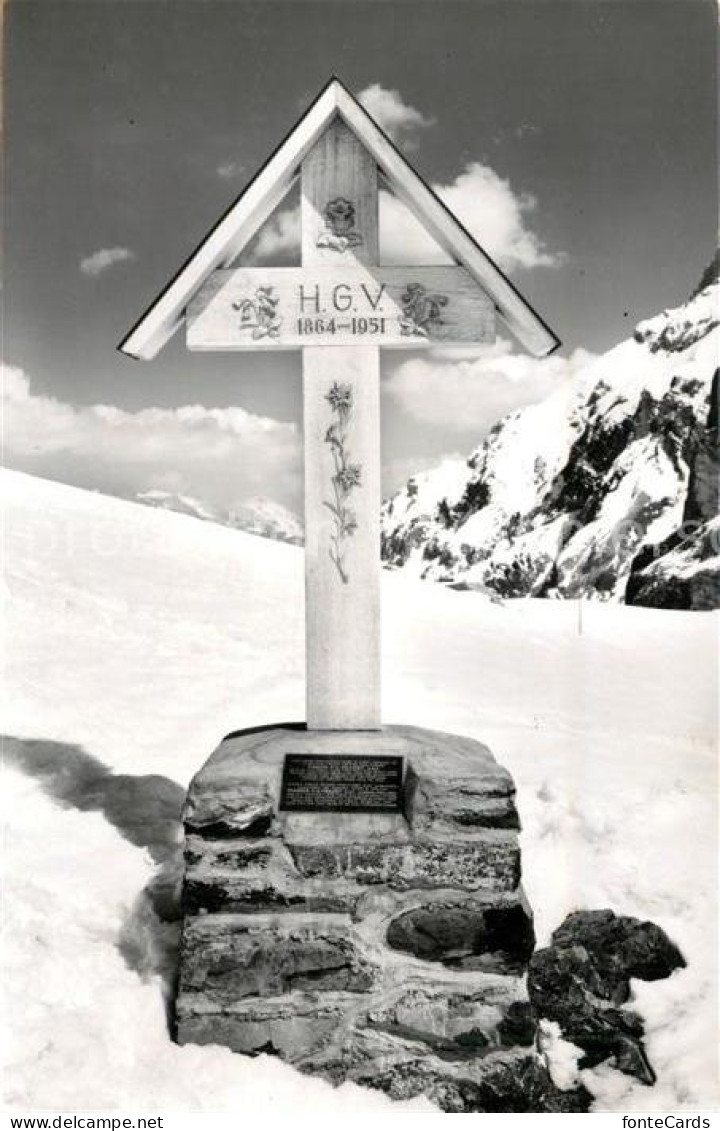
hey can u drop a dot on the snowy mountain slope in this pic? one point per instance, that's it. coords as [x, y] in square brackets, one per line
[137, 637]
[259, 515]
[562, 497]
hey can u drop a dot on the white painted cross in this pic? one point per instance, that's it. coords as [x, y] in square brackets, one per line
[339, 308]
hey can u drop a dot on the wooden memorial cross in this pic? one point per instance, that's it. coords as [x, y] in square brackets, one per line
[339, 308]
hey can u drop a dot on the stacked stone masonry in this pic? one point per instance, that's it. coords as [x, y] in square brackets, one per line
[388, 948]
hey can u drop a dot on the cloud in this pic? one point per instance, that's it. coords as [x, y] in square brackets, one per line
[486, 203]
[224, 456]
[395, 116]
[396, 472]
[279, 237]
[495, 212]
[469, 394]
[226, 170]
[106, 257]
[525, 129]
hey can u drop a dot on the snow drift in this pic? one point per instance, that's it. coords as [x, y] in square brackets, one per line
[138, 637]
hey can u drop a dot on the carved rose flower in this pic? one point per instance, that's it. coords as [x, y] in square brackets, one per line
[340, 214]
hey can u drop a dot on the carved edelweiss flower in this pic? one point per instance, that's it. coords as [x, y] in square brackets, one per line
[340, 214]
[340, 397]
[349, 476]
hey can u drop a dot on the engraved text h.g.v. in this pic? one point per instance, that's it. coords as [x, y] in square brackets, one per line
[346, 476]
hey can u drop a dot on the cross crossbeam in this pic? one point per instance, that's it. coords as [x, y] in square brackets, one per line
[339, 304]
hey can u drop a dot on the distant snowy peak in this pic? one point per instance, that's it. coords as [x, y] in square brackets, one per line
[259, 515]
[569, 497]
[183, 504]
[269, 519]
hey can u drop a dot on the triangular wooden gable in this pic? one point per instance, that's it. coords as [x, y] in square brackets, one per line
[267, 189]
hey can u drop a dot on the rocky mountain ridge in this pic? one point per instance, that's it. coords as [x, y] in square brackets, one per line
[606, 490]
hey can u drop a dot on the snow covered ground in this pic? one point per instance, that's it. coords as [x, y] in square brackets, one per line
[138, 637]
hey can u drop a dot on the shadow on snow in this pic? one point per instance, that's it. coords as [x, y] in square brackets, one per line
[145, 809]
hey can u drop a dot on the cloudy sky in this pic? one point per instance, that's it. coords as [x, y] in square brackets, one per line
[575, 139]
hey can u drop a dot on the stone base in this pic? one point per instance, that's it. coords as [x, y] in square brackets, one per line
[387, 948]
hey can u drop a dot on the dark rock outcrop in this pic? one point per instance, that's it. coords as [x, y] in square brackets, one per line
[582, 981]
[681, 571]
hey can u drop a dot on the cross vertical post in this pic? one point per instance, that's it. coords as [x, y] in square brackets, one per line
[341, 414]
[338, 793]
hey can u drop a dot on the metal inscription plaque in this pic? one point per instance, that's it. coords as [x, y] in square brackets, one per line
[341, 783]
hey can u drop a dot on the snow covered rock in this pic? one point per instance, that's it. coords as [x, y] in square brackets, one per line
[683, 572]
[567, 497]
[514, 1082]
[582, 980]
